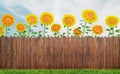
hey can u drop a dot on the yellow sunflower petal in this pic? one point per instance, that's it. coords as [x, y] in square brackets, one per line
[32, 19]
[20, 27]
[1, 30]
[89, 16]
[46, 18]
[68, 20]
[97, 29]
[8, 20]
[55, 28]
[112, 21]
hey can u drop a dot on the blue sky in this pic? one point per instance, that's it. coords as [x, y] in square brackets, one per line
[20, 8]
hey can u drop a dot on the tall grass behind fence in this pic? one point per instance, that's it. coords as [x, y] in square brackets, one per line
[59, 53]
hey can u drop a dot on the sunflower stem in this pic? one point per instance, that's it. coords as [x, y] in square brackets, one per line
[67, 31]
[29, 31]
[19, 34]
[44, 32]
[84, 29]
[113, 31]
[58, 34]
[6, 32]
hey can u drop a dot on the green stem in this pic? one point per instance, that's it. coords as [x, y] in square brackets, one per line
[6, 32]
[44, 32]
[58, 34]
[19, 34]
[84, 29]
[67, 31]
[113, 31]
[29, 31]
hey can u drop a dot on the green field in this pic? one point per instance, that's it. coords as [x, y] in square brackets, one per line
[58, 71]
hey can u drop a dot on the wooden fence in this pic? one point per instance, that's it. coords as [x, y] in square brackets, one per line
[59, 53]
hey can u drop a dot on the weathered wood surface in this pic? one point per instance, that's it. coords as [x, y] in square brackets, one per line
[59, 53]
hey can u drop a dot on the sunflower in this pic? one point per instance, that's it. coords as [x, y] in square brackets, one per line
[55, 28]
[77, 32]
[68, 20]
[112, 21]
[32, 19]
[1, 30]
[47, 18]
[97, 29]
[20, 27]
[89, 16]
[8, 20]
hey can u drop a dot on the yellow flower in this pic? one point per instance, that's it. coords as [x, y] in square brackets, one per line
[20, 27]
[55, 28]
[97, 29]
[8, 20]
[32, 19]
[68, 20]
[89, 16]
[1, 30]
[112, 21]
[77, 32]
[47, 18]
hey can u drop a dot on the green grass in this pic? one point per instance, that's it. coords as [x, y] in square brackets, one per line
[65, 71]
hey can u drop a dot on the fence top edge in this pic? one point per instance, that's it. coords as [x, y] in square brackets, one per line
[60, 37]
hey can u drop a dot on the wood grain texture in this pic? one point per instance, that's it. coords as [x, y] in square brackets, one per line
[59, 53]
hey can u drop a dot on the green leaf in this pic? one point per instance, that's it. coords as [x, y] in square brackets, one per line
[24, 32]
[117, 30]
[90, 23]
[55, 33]
[8, 29]
[89, 30]
[118, 35]
[79, 27]
[35, 26]
[86, 32]
[15, 33]
[46, 28]
[87, 26]
[39, 35]
[40, 31]
[107, 29]
[64, 33]
[82, 25]
[31, 30]
[34, 32]
[70, 29]
[110, 33]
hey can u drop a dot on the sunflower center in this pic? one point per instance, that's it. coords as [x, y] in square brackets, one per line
[47, 18]
[90, 15]
[112, 21]
[8, 20]
[21, 27]
[98, 29]
[32, 19]
[69, 20]
[56, 27]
